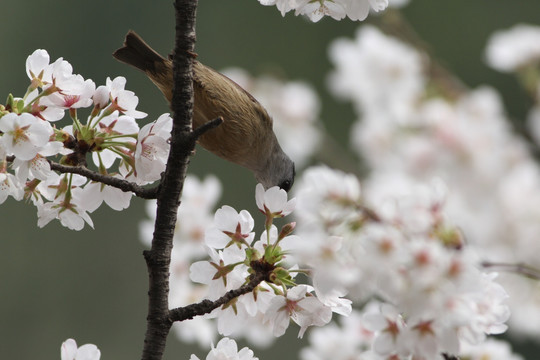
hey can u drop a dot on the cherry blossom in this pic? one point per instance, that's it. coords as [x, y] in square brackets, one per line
[222, 273]
[230, 227]
[338, 9]
[152, 149]
[508, 50]
[124, 100]
[226, 349]
[24, 135]
[10, 186]
[68, 209]
[70, 351]
[299, 305]
[94, 194]
[273, 202]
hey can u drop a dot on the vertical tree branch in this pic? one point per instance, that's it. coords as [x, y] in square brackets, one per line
[158, 258]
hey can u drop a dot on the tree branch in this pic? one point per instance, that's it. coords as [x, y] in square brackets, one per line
[449, 357]
[158, 258]
[207, 306]
[212, 124]
[124, 185]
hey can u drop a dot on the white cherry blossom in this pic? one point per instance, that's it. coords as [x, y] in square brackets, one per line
[273, 201]
[126, 101]
[24, 135]
[226, 349]
[152, 149]
[70, 351]
[230, 227]
[508, 50]
[10, 186]
[299, 305]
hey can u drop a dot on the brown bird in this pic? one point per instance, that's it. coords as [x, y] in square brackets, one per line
[245, 137]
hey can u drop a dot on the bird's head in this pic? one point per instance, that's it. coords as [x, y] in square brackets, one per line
[278, 170]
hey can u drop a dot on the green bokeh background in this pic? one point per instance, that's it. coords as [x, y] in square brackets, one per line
[91, 285]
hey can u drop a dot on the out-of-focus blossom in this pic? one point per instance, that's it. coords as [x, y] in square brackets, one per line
[299, 305]
[337, 9]
[398, 3]
[70, 351]
[397, 244]
[491, 349]
[511, 49]
[382, 76]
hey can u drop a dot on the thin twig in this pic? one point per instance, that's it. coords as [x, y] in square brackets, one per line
[519, 268]
[450, 357]
[124, 185]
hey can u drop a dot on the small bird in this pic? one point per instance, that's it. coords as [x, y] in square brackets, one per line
[245, 137]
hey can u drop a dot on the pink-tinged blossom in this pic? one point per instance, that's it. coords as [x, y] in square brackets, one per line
[36, 168]
[382, 76]
[124, 100]
[226, 349]
[326, 197]
[48, 113]
[396, 243]
[69, 210]
[10, 186]
[389, 325]
[230, 227]
[222, 273]
[70, 351]
[152, 149]
[114, 125]
[299, 305]
[24, 135]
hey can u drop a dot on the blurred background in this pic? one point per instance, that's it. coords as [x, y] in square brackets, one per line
[91, 285]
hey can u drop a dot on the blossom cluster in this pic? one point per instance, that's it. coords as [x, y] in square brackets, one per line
[392, 242]
[235, 254]
[315, 10]
[30, 139]
[426, 127]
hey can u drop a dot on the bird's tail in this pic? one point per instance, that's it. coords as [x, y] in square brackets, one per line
[140, 55]
[137, 53]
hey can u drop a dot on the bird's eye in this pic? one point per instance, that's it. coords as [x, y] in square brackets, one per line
[285, 185]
